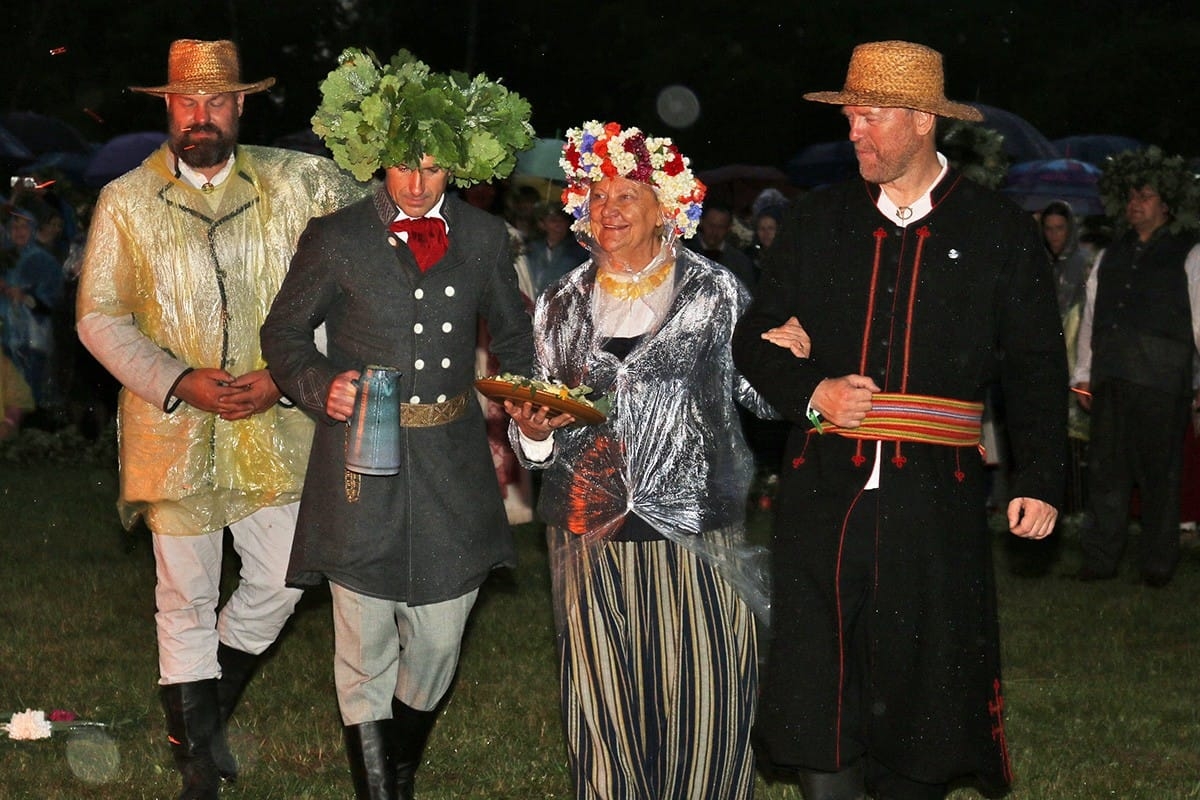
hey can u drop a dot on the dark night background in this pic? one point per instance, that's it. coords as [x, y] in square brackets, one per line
[1068, 67]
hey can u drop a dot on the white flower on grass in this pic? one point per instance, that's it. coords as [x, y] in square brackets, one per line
[28, 724]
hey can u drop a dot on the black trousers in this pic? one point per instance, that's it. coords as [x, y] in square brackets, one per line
[1136, 439]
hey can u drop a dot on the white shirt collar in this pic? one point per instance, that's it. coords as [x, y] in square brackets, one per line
[919, 209]
[434, 213]
[197, 179]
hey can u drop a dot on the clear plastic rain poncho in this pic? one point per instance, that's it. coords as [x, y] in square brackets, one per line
[175, 278]
[671, 450]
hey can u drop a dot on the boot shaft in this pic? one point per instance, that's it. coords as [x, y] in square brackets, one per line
[193, 720]
[369, 750]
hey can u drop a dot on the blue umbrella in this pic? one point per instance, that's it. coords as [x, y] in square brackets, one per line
[823, 163]
[1095, 148]
[120, 154]
[1035, 184]
[12, 150]
[1022, 141]
[43, 134]
[541, 161]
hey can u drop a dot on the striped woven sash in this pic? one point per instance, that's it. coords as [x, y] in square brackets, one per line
[918, 418]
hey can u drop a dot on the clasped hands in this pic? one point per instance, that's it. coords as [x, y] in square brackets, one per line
[229, 397]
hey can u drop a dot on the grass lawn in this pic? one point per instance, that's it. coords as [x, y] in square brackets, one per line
[1101, 679]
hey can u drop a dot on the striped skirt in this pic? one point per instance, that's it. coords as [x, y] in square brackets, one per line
[659, 672]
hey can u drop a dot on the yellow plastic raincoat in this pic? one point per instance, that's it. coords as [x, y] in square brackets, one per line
[194, 274]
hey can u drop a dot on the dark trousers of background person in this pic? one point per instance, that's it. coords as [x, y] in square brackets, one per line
[1189, 513]
[1136, 438]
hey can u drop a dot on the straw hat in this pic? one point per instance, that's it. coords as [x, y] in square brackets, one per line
[897, 75]
[199, 67]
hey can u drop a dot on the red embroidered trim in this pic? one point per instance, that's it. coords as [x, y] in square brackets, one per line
[837, 588]
[996, 712]
[922, 234]
[880, 235]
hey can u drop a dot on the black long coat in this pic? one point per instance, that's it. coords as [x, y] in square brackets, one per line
[982, 313]
[434, 531]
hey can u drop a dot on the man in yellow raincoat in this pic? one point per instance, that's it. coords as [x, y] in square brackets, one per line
[184, 257]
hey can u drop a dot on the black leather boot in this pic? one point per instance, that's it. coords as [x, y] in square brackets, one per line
[236, 668]
[846, 784]
[411, 730]
[368, 746]
[192, 721]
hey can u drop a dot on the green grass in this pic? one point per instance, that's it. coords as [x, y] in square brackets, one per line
[1100, 678]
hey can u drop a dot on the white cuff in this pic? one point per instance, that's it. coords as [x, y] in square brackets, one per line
[534, 450]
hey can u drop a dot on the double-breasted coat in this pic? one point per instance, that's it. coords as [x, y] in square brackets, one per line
[956, 302]
[434, 531]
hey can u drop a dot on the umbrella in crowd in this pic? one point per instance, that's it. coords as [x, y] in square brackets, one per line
[1035, 184]
[43, 134]
[50, 166]
[1095, 148]
[1022, 141]
[736, 185]
[304, 140]
[541, 161]
[119, 155]
[538, 167]
[12, 149]
[823, 163]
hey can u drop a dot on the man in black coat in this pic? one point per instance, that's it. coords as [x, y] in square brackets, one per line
[919, 290]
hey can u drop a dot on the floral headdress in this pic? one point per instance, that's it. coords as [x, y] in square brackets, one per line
[374, 116]
[1176, 184]
[596, 151]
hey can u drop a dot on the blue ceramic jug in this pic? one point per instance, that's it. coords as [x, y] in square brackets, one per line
[373, 440]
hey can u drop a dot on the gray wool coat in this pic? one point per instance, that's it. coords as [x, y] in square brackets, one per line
[434, 531]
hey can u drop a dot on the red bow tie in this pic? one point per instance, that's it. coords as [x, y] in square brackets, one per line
[426, 238]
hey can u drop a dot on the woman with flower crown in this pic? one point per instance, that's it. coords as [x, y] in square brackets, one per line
[655, 588]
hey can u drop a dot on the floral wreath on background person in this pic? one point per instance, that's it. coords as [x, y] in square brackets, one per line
[1176, 184]
[374, 116]
[596, 151]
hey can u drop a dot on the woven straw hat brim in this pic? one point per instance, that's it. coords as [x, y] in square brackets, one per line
[205, 87]
[897, 74]
[940, 107]
[195, 66]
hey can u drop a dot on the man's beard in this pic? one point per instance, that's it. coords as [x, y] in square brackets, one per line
[206, 152]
